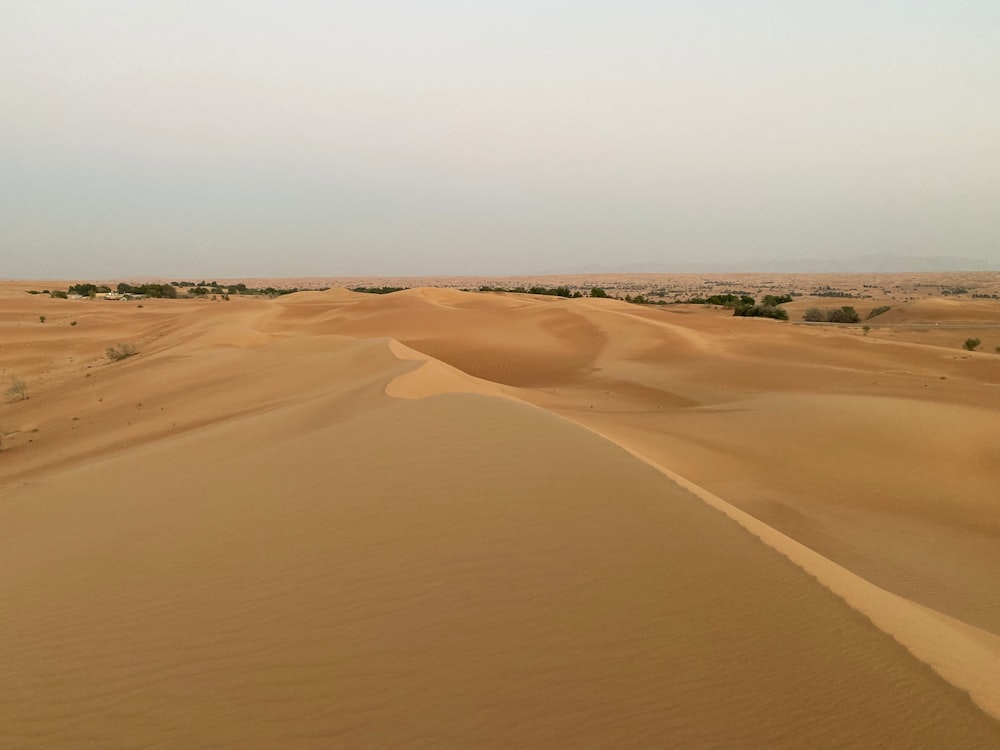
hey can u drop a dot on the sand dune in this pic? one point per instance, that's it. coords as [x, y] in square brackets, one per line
[438, 518]
[938, 310]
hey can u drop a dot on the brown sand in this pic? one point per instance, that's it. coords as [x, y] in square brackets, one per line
[343, 520]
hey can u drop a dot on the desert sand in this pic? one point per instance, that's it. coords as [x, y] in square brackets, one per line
[440, 518]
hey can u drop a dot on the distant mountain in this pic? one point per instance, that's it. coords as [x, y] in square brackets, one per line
[876, 263]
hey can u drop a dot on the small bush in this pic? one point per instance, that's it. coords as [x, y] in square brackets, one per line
[971, 344]
[814, 315]
[879, 311]
[121, 351]
[772, 300]
[845, 314]
[760, 311]
[242, 289]
[772, 311]
[18, 389]
[598, 292]
[73, 323]
[866, 329]
[41, 318]
[59, 295]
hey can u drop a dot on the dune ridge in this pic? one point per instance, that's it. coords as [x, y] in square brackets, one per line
[966, 656]
[434, 377]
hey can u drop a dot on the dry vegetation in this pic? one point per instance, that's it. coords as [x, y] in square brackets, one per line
[121, 351]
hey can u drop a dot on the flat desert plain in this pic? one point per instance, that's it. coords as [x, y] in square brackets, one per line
[439, 518]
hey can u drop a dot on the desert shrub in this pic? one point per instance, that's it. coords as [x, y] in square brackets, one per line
[598, 292]
[121, 351]
[971, 344]
[557, 291]
[59, 295]
[814, 315]
[826, 291]
[866, 329]
[845, 314]
[772, 300]
[879, 311]
[760, 311]
[73, 323]
[41, 318]
[18, 388]
[374, 289]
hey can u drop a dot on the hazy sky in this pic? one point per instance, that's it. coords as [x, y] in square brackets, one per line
[239, 137]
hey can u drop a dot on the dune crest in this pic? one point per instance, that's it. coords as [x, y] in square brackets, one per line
[434, 377]
[966, 656]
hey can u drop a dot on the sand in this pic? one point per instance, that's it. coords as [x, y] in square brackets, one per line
[447, 519]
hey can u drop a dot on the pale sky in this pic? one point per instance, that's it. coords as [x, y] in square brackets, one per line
[242, 137]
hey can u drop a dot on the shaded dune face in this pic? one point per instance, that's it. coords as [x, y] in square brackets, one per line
[529, 350]
[536, 343]
[277, 528]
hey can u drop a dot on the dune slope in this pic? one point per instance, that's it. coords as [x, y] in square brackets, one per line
[305, 537]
